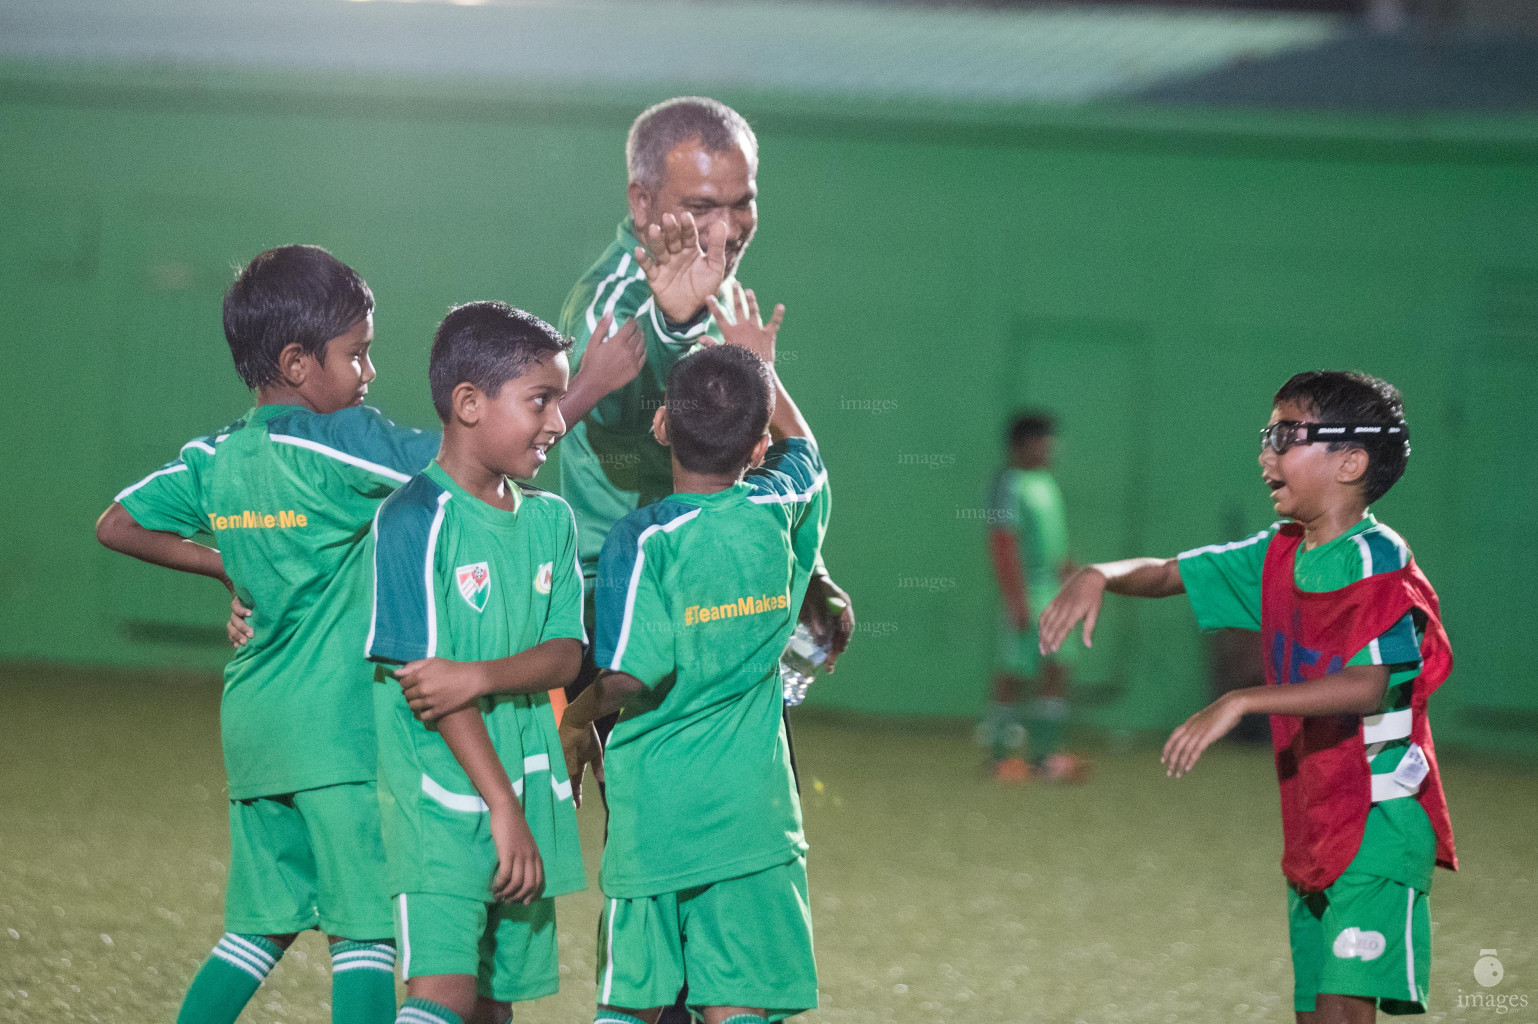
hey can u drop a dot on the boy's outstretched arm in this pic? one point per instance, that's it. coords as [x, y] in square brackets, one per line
[1082, 595]
[608, 364]
[579, 738]
[1354, 690]
[437, 687]
[520, 876]
[118, 530]
[745, 329]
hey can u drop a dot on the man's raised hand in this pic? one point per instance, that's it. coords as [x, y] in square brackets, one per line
[745, 328]
[682, 266]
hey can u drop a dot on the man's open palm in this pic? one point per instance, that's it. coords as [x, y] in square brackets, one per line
[682, 266]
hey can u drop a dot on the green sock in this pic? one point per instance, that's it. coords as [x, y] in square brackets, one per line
[425, 1011]
[616, 1017]
[1002, 729]
[228, 979]
[744, 1018]
[362, 982]
[1044, 718]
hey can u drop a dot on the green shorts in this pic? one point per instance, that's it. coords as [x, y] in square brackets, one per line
[308, 859]
[1019, 651]
[509, 947]
[739, 942]
[1363, 936]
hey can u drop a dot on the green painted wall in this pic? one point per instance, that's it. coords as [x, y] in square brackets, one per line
[1152, 276]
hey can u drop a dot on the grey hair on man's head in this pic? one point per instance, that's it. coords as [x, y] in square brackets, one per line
[683, 119]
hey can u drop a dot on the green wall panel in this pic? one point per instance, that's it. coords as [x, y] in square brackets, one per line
[1152, 277]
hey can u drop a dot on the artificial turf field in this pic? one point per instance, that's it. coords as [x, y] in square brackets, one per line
[936, 896]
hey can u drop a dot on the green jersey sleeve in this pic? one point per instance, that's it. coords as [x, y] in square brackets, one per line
[359, 448]
[794, 478]
[634, 628]
[564, 619]
[1222, 581]
[404, 623]
[171, 498]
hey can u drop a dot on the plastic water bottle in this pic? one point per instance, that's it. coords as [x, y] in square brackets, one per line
[799, 664]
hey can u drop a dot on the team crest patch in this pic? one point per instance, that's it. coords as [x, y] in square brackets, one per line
[543, 577]
[474, 584]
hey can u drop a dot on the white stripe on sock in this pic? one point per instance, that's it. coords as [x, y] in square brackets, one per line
[257, 951]
[360, 965]
[237, 953]
[227, 958]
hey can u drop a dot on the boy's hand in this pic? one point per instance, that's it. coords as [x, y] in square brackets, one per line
[830, 627]
[582, 748]
[238, 629]
[520, 876]
[614, 361]
[746, 328]
[435, 687]
[682, 267]
[1080, 598]
[1199, 732]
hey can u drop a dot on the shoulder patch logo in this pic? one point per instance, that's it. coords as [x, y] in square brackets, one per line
[474, 584]
[543, 578]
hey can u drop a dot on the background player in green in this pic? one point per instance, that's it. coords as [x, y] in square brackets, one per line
[665, 286]
[287, 492]
[479, 825]
[1028, 542]
[1364, 942]
[704, 867]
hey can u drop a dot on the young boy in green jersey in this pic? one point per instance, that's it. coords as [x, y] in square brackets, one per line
[287, 493]
[477, 589]
[1354, 648]
[697, 595]
[1028, 542]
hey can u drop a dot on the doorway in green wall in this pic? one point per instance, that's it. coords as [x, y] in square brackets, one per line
[1085, 372]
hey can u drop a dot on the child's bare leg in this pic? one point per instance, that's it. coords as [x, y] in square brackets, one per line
[718, 1014]
[454, 992]
[1334, 1009]
[491, 1011]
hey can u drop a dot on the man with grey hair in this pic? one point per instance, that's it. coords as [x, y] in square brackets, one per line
[666, 285]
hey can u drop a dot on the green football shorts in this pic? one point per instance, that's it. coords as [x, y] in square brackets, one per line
[1019, 654]
[1363, 936]
[308, 859]
[509, 947]
[739, 942]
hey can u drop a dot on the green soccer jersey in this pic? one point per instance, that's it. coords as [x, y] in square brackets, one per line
[1223, 582]
[697, 596]
[610, 463]
[1029, 505]
[287, 495]
[457, 578]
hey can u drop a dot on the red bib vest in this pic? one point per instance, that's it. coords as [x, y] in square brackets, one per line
[1321, 761]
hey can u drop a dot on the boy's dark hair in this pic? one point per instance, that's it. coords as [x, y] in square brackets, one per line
[1030, 425]
[719, 401]
[1349, 397]
[295, 294]
[486, 344]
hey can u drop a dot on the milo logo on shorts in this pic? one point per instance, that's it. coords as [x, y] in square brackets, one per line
[1355, 943]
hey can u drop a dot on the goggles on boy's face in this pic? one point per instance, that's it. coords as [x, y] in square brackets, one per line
[1283, 434]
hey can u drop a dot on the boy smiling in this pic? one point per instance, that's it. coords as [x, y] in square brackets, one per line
[1354, 647]
[477, 589]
